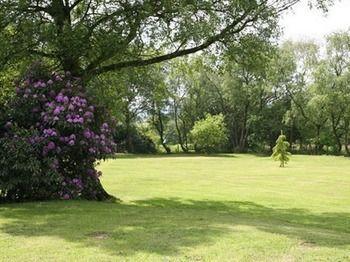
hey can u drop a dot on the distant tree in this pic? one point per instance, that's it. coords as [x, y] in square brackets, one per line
[209, 134]
[280, 150]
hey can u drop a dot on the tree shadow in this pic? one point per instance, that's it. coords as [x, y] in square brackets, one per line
[173, 155]
[165, 226]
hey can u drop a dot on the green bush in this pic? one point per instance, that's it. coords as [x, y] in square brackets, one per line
[139, 143]
[209, 134]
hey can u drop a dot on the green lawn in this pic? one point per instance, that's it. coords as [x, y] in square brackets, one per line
[193, 208]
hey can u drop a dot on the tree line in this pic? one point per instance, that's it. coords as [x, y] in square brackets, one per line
[259, 88]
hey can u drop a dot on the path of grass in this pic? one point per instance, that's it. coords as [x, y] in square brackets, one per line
[188, 208]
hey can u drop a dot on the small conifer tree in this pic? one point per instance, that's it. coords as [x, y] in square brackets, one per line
[280, 150]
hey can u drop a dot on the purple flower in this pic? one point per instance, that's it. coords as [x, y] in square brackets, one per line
[37, 84]
[57, 111]
[49, 132]
[65, 100]
[66, 197]
[71, 107]
[54, 165]
[58, 78]
[104, 128]
[51, 145]
[87, 133]
[71, 143]
[50, 104]
[60, 98]
[50, 82]
[88, 114]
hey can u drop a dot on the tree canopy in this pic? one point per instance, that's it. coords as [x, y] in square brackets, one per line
[90, 37]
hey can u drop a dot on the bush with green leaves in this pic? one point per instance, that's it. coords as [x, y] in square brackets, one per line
[280, 150]
[51, 138]
[210, 134]
[134, 141]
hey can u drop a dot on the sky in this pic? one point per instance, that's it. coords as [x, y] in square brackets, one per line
[301, 23]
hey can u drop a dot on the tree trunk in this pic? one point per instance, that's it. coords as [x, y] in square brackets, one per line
[179, 135]
[318, 145]
[160, 128]
[335, 133]
[346, 137]
[244, 131]
[69, 57]
[129, 143]
[101, 193]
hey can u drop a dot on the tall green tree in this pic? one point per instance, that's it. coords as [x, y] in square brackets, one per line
[90, 37]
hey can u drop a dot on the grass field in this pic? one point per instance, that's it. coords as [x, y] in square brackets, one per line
[193, 208]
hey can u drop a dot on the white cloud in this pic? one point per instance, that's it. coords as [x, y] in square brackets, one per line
[301, 23]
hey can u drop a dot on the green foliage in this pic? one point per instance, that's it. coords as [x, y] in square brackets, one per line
[209, 134]
[134, 140]
[280, 150]
[51, 137]
[98, 36]
[21, 170]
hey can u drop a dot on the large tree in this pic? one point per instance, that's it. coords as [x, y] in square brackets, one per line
[90, 37]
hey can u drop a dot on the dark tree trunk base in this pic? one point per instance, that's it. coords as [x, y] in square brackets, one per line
[101, 193]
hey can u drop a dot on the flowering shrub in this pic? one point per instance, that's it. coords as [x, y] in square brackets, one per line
[51, 139]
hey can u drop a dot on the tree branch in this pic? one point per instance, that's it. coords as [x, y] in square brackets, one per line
[178, 53]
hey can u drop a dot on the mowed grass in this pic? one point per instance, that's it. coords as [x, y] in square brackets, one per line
[193, 208]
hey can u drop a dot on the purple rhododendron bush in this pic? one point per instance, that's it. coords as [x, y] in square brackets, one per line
[51, 138]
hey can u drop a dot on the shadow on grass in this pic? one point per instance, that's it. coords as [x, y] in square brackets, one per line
[135, 156]
[165, 226]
